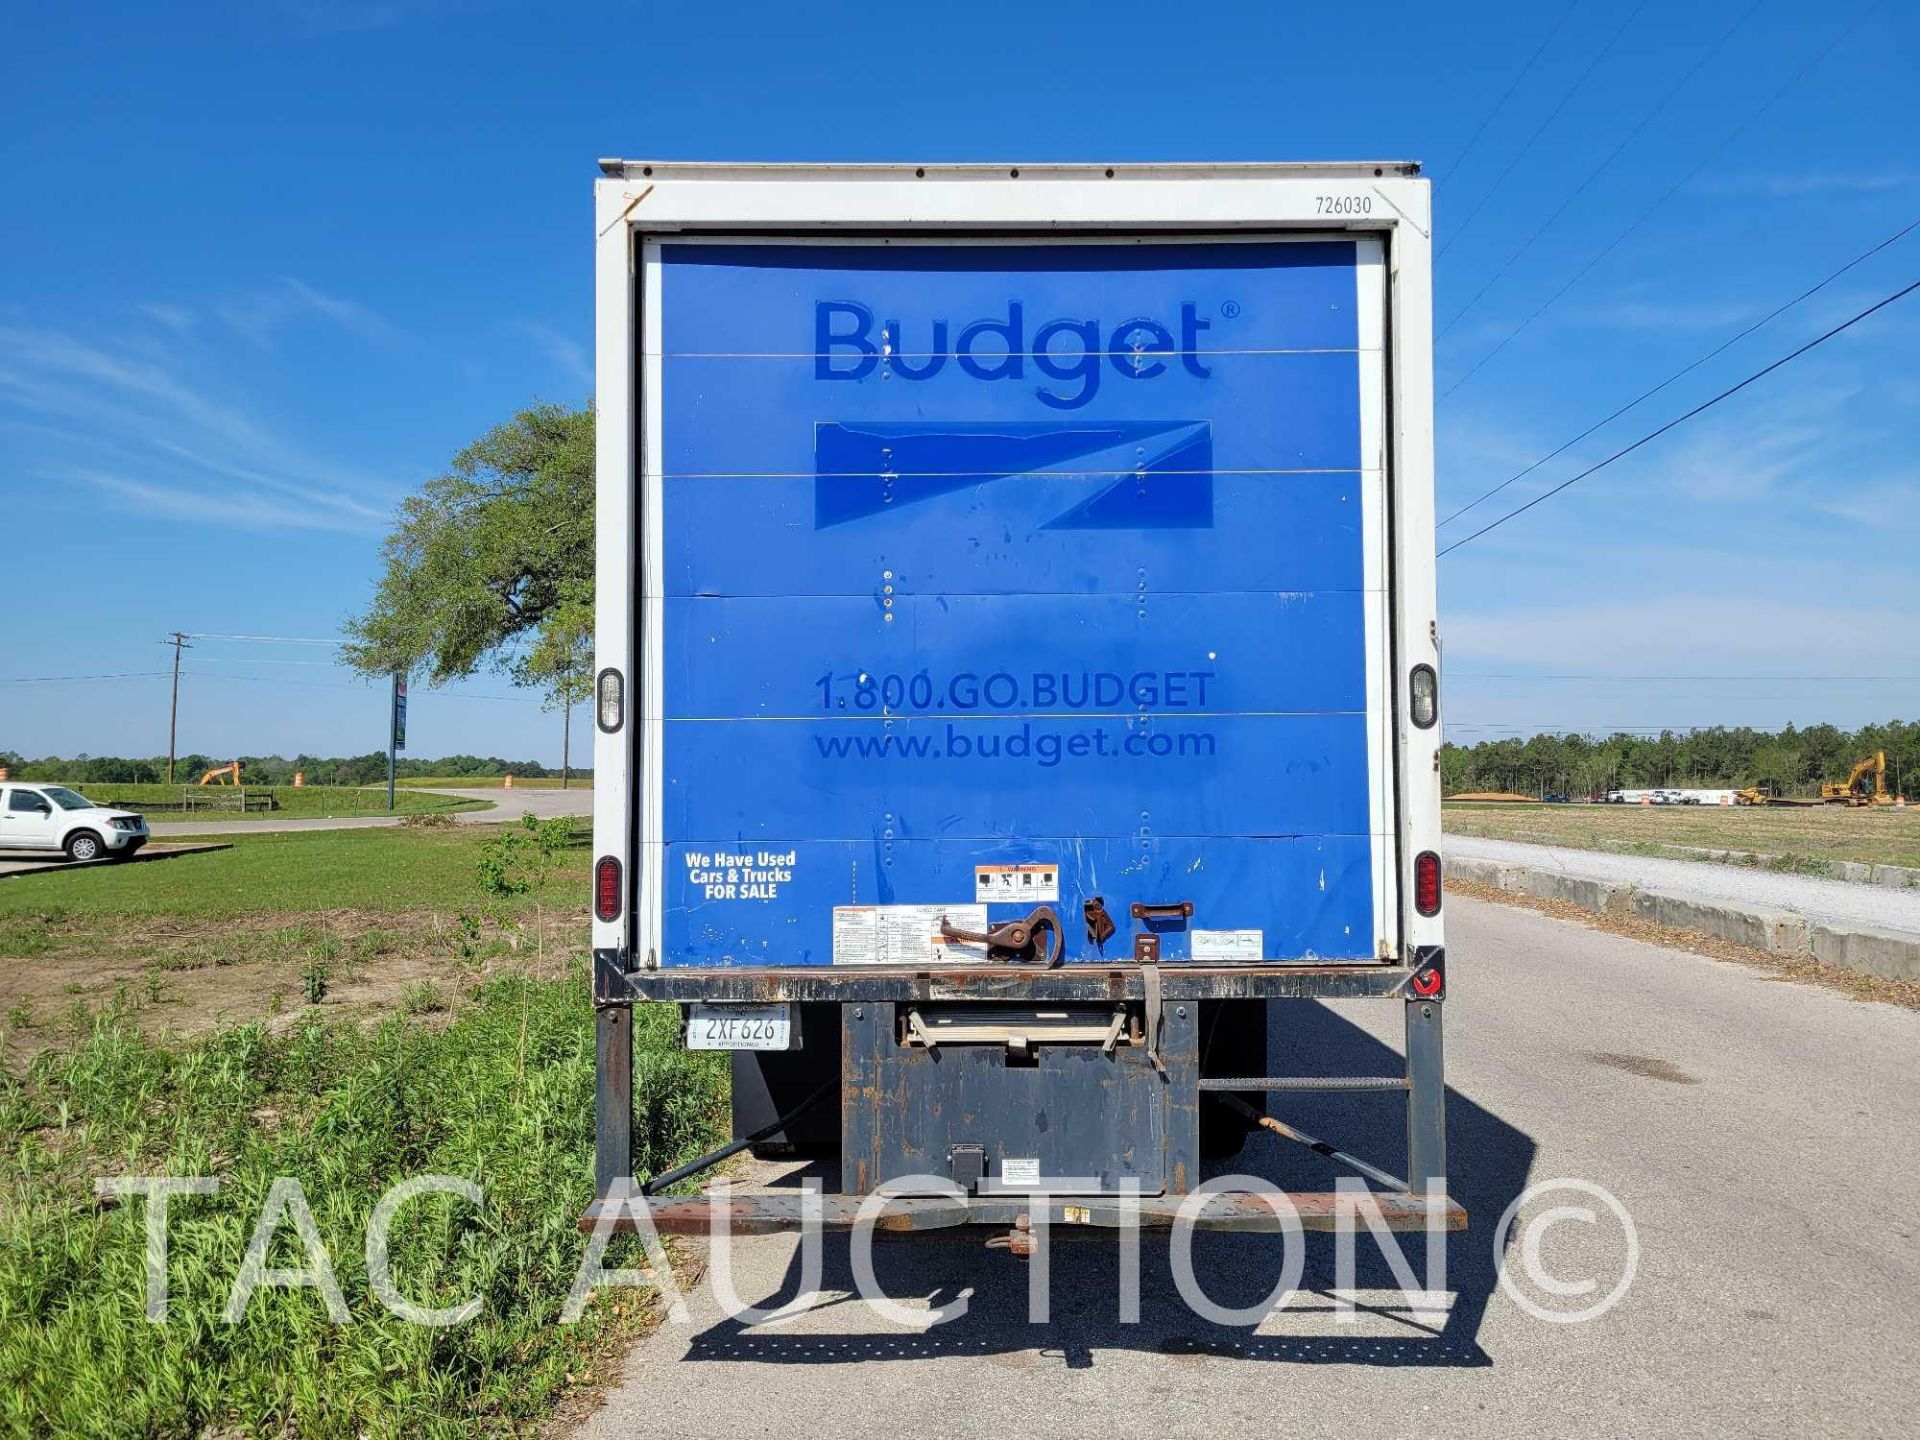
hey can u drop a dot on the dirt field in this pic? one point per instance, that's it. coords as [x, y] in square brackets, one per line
[334, 924]
[186, 976]
[1827, 832]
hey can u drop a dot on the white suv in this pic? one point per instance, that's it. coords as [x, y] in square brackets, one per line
[52, 817]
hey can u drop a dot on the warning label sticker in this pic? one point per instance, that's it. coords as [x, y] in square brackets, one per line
[1227, 944]
[905, 934]
[1011, 884]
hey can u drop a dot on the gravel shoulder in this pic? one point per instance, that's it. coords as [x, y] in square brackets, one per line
[1834, 902]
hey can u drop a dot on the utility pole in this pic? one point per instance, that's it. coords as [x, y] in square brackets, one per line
[179, 643]
[396, 728]
[566, 728]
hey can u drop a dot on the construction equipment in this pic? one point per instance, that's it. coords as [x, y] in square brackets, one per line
[222, 775]
[1855, 790]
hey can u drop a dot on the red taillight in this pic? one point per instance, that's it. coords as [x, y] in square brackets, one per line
[606, 888]
[1426, 883]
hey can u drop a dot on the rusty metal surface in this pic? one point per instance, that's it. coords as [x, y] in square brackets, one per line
[767, 1212]
[1180, 980]
[1171, 910]
[1033, 940]
[1082, 1116]
[1100, 925]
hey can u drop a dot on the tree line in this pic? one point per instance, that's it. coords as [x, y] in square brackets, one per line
[368, 769]
[1792, 761]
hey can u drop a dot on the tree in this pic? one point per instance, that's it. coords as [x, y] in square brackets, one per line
[492, 564]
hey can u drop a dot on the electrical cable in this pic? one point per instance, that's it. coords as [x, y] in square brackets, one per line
[1500, 104]
[1685, 370]
[1671, 191]
[1682, 419]
[1595, 173]
[1534, 139]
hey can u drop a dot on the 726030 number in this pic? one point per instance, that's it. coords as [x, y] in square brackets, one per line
[1342, 205]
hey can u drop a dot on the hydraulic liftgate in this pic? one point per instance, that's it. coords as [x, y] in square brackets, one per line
[1024, 589]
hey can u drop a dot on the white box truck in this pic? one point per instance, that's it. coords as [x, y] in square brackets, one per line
[1017, 668]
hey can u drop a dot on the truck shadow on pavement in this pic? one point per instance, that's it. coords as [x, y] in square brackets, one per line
[1490, 1161]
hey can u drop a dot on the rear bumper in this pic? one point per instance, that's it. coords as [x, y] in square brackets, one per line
[774, 1211]
[613, 984]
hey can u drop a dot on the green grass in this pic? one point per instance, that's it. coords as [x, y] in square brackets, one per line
[386, 869]
[1802, 837]
[308, 802]
[502, 1095]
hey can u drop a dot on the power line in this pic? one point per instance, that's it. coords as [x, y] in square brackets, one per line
[1595, 173]
[1670, 192]
[361, 689]
[311, 640]
[1680, 727]
[267, 639]
[1682, 419]
[244, 660]
[69, 679]
[1500, 104]
[1830, 679]
[1685, 370]
[1533, 139]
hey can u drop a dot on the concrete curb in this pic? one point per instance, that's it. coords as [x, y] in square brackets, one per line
[1889, 954]
[1894, 877]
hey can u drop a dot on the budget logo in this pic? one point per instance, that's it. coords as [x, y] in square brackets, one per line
[1069, 355]
[1047, 474]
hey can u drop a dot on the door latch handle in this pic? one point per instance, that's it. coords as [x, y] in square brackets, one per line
[1100, 925]
[1173, 910]
[1035, 939]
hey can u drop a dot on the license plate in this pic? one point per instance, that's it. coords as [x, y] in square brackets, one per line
[740, 1027]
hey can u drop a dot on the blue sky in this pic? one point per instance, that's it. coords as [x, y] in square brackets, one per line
[266, 266]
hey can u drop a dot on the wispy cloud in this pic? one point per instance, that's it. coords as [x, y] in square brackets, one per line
[567, 354]
[194, 450]
[336, 17]
[1691, 631]
[177, 318]
[249, 511]
[1757, 454]
[261, 315]
[1807, 182]
[1671, 314]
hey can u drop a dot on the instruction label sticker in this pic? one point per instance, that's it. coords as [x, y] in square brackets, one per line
[1020, 1171]
[1011, 884]
[1227, 944]
[905, 934]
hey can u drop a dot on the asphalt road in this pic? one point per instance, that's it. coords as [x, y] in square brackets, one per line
[1761, 1135]
[1836, 902]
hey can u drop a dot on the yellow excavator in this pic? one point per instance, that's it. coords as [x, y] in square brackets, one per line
[222, 775]
[1866, 784]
